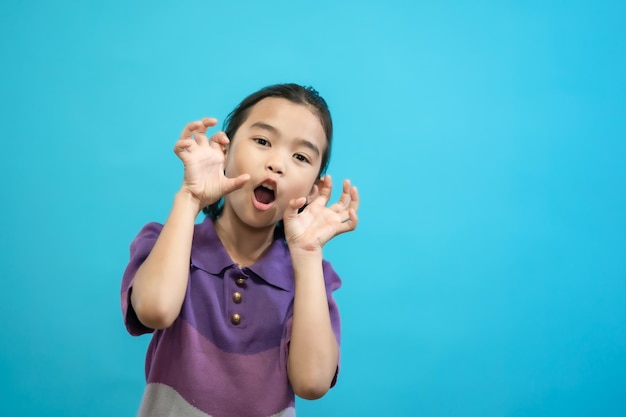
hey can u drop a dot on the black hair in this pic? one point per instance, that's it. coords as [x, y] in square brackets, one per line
[307, 96]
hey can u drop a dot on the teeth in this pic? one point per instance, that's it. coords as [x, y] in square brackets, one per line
[269, 187]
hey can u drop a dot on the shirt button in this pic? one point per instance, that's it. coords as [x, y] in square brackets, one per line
[235, 319]
[237, 297]
[240, 281]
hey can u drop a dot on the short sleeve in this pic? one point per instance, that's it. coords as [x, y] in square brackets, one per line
[140, 248]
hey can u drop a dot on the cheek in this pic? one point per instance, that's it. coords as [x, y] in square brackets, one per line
[228, 168]
[303, 187]
[231, 167]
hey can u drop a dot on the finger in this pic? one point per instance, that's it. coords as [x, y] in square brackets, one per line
[345, 198]
[219, 140]
[189, 129]
[209, 122]
[354, 219]
[294, 207]
[194, 126]
[354, 199]
[297, 203]
[349, 224]
[232, 184]
[200, 134]
[325, 189]
[183, 146]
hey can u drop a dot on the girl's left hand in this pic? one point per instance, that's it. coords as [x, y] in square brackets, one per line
[310, 230]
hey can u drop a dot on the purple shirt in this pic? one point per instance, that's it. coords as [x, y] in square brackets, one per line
[226, 353]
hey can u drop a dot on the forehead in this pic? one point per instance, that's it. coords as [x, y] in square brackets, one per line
[288, 118]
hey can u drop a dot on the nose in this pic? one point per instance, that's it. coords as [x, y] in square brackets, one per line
[274, 165]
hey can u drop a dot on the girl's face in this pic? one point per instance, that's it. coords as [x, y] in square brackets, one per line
[280, 145]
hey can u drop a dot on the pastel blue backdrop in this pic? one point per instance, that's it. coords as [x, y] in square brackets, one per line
[488, 274]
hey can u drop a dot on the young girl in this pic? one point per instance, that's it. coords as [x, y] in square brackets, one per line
[241, 306]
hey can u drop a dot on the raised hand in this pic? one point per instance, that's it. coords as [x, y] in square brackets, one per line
[317, 224]
[203, 161]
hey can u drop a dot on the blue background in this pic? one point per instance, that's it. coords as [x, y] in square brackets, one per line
[488, 273]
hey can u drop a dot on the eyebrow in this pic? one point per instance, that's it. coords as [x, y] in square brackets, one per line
[304, 142]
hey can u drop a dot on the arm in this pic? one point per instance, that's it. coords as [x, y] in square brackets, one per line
[314, 351]
[160, 283]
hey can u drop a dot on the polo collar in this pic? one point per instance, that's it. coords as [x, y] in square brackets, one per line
[209, 254]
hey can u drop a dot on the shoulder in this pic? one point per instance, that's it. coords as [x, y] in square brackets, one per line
[150, 229]
[148, 233]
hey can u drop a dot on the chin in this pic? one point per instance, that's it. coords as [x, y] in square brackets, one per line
[261, 220]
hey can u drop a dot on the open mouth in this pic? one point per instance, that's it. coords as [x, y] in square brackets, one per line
[264, 194]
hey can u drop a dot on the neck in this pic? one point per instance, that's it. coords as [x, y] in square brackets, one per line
[244, 244]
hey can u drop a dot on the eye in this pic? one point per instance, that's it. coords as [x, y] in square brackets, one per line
[301, 158]
[261, 141]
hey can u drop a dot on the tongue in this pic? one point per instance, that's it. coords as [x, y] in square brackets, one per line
[263, 195]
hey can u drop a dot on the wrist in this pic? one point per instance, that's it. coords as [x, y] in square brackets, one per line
[187, 200]
[307, 268]
[300, 255]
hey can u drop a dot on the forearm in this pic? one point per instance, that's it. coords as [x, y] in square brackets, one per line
[313, 351]
[160, 284]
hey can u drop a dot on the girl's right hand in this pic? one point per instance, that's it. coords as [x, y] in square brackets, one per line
[204, 161]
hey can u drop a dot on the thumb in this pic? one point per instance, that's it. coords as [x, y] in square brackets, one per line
[294, 207]
[232, 184]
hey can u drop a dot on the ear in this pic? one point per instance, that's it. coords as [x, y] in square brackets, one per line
[315, 190]
[225, 150]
